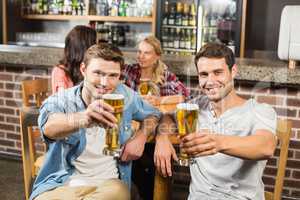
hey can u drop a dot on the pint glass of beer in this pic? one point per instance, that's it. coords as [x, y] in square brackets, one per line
[147, 87]
[112, 144]
[187, 119]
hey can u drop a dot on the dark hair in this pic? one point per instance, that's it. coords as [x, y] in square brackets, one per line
[105, 51]
[216, 50]
[78, 40]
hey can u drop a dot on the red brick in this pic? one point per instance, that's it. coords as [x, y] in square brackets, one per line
[268, 180]
[272, 162]
[296, 193]
[13, 103]
[1, 118]
[294, 144]
[14, 151]
[296, 174]
[293, 164]
[2, 134]
[297, 155]
[17, 70]
[14, 120]
[290, 91]
[290, 153]
[6, 94]
[1, 101]
[295, 123]
[13, 136]
[1, 85]
[286, 112]
[291, 183]
[12, 86]
[6, 77]
[8, 111]
[7, 127]
[273, 100]
[293, 102]
[18, 95]
[5, 142]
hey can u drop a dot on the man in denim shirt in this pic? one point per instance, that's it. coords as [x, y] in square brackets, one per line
[72, 122]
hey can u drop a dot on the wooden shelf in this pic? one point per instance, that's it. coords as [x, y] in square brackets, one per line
[90, 18]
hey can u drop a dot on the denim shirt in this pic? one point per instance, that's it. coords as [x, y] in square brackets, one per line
[61, 153]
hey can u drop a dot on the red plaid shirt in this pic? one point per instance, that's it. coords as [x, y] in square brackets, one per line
[131, 75]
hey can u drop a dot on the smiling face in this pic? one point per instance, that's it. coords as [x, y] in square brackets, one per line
[146, 55]
[100, 77]
[215, 78]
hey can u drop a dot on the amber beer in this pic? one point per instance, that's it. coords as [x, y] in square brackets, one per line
[147, 87]
[187, 119]
[112, 134]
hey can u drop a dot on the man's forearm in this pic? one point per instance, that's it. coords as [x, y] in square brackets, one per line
[167, 125]
[148, 126]
[255, 147]
[60, 125]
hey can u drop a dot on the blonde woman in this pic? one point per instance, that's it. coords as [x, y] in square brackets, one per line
[150, 67]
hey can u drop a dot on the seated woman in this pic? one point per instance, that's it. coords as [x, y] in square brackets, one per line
[67, 74]
[150, 67]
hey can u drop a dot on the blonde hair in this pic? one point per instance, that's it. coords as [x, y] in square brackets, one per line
[160, 67]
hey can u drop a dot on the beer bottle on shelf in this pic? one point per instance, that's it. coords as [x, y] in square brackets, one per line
[166, 13]
[45, 7]
[75, 7]
[171, 38]
[185, 15]
[177, 38]
[39, 7]
[178, 16]
[92, 7]
[188, 40]
[122, 8]
[192, 15]
[114, 10]
[193, 40]
[182, 39]
[60, 7]
[171, 19]
[164, 37]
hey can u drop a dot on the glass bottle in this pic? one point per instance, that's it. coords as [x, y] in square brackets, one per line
[178, 16]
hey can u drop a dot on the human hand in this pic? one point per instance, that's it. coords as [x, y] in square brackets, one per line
[134, 147]
[163, 154]
[101, 113]
[202, 143]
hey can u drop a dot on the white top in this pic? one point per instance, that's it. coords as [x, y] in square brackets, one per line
[92, 167]
[224, 177]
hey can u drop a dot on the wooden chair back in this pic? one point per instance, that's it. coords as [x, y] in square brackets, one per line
[37, 90]
[28, 119]
[283, 133]
[33, 94]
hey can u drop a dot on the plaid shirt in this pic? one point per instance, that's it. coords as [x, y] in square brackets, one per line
[131, 75]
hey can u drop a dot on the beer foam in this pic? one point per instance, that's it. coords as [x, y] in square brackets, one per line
[187, 106]
[113, 96]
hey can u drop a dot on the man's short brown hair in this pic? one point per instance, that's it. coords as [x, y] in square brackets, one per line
[216, 50]
[105, 51]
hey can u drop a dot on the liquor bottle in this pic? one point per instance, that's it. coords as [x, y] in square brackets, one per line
[114, 10]
[188, 39]
[92, 7]
[60, 7]
[182, 39]
[45, 7]
[171, 38]
[82, 8]
[122, 8]
[75, 7]
[177, 38]
[171, 19]
[185, 15]
[192, 15]
[39, 7]
[166, 13]
[193, 40]
[165, 35]
[178, 16]
[121, 36]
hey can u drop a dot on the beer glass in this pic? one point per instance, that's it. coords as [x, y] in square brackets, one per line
[147, 87]
[187, 119]
[112, 144]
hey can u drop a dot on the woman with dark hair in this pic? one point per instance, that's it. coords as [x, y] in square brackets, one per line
[67, 74]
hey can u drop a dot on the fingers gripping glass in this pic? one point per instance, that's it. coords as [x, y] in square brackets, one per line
[187, 119]
[112, 144]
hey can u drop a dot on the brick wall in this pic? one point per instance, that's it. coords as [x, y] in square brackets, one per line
[285, 100]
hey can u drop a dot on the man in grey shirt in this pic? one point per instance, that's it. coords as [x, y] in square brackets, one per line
[234, 137]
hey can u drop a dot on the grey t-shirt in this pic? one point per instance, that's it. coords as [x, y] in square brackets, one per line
[224, 177]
